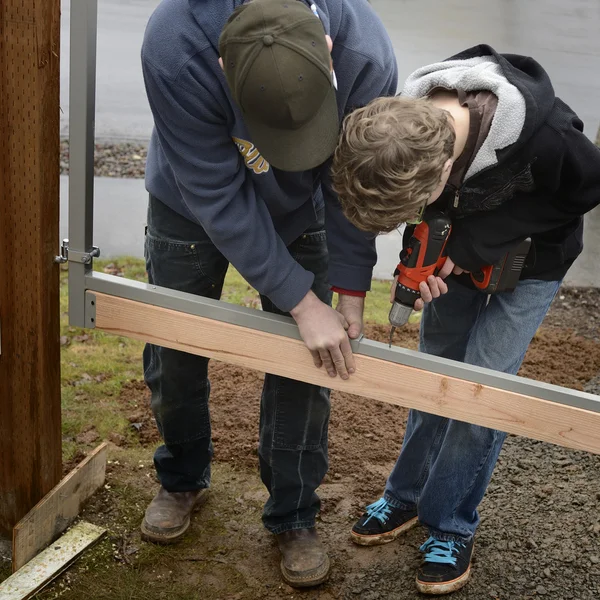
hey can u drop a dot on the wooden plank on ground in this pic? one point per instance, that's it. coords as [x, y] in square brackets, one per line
[50, 563]
[375, 378]
[30, 433]
[59, 508]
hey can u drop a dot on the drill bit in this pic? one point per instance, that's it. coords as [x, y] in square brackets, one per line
[392, 330]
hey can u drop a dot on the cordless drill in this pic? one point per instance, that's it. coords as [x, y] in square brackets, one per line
[425, 254]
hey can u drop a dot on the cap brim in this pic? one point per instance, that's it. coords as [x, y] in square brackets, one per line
[299, 149]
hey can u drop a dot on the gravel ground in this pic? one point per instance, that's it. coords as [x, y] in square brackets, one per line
[124, 160]
[112, 160]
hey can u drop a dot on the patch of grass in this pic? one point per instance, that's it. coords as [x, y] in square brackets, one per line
[96, 365]
[125, 266]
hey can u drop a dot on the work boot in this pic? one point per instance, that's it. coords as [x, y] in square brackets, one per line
[304, 562]
[168, 515]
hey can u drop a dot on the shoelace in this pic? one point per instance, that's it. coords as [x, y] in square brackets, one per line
[380, 510]
[438, 551]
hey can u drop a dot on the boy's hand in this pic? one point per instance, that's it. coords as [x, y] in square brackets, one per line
[434, 287]
[450, 267]
[352, 308]
[324, 332]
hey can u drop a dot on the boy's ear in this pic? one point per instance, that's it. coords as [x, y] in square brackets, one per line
[448, 166]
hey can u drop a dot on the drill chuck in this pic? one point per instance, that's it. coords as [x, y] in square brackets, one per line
[399, 314]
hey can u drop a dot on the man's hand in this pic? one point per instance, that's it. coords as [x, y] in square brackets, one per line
[434, 287]
[324, 332]
[352, 309]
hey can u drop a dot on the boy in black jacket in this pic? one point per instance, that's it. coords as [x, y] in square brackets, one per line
[482, 136]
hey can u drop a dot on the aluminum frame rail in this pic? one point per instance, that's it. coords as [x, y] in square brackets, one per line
[285, 326]
[82, 113]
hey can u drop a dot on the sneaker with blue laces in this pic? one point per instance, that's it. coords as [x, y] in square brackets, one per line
[446, 566]
[381, 523]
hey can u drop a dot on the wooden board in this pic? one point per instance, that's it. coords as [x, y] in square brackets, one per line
[59, 508]
[50, 563]
[30, 432]
[375, 378]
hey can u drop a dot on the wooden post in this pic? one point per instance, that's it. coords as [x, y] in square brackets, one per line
[30, 433]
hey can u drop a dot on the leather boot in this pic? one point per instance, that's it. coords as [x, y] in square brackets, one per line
[304, 561]
[168, 515]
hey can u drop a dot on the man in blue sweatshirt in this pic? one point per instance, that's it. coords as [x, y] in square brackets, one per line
[247, 107]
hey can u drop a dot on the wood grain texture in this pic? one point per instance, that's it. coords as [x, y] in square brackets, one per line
[30, 434]
[59, 508]
[375, 378]
[50, 563]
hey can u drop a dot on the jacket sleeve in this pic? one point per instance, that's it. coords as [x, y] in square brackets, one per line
[352, 253]
[566, 190]
[217, 192]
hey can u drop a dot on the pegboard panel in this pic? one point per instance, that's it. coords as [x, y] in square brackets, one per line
[30, 436]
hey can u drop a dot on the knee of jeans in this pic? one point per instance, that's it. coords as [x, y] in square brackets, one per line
[182, 417]
[299, 427]
[463, 439]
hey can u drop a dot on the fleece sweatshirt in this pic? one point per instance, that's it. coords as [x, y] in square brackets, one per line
[535, 175]
[203, 164]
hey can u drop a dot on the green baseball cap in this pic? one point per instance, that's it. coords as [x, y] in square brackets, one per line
[278, 68]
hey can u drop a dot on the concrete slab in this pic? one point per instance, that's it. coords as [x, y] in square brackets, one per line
[562, 36]
[585, 272]
[122, 111]
[119, 215]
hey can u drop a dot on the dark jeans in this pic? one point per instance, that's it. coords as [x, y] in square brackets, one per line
[293, 415]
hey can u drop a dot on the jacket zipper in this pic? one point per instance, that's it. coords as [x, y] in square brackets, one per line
[457, 190]
[456, 198]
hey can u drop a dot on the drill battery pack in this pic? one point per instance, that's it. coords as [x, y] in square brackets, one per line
[504, 275]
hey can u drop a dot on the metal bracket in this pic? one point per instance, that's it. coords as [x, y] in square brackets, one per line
[90, 311]
[67, 254]
[63, 257]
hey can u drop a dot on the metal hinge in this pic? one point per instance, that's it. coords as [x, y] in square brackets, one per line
[67, 254]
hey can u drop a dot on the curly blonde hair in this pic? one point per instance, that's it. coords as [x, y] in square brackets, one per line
[389, 159]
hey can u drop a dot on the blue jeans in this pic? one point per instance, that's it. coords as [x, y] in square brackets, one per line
[445, 465]
[293, 415]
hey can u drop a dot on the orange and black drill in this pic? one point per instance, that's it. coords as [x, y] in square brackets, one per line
[425, 254]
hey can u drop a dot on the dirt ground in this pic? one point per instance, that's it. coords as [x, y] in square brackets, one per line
[540, 520]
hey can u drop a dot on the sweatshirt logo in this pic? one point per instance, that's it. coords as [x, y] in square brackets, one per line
[252, 157]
